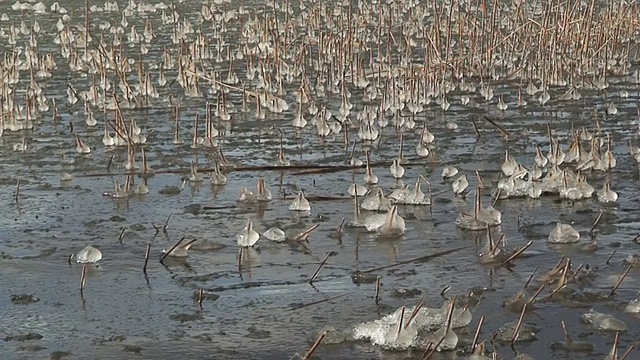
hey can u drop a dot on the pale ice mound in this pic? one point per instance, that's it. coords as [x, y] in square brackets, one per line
[563, 234]
[248, 237]
[384, 332]
[275, 234]
[88, 255]
[375, 222]
[604, 322]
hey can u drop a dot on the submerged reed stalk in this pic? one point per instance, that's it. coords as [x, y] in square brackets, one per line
[613, 355]
[201, 296]
[476, 335]
[83, 277]
[166, 223]
[475, 127]
[431, 349]
[624, 275]
[318, 301]
[526, 284]
[596, 222]
[517, 253]
[110, 162]
[516, 331]
[340, 229]
[315, 274]
[415, 311]
[17, 191]
[172, 248]
[535, 295]
[146, 258]
[577, 271]
[314, 347]
[400, 321]
[121, 235]
[628, 352]
[500, 128]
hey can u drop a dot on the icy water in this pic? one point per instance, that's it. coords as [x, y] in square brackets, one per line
[267, 309]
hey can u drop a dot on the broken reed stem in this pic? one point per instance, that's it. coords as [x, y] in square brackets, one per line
[566, 333]
[531, 277]
[474, 343]
[562, 259]
[556, 290]
[563, 279]
[301, 169]
[402, 309]
[495, 200]
[146, 258]
[577, 271]
[628, 352]
[475, 127]
[200, 297]
[172, 248]
[240, 260]
[611, 256]
[518, 325]
[496, 246]
[420, 258]
[450, 315]
[415, 311]
[555, 271]
[17, 191]
[69, 258]
[614, 349]
[378, 284]
[502, 130]
[431, 349]
[319, 301]
[166, 223]
[304, 236]
[517, 253]
[315, 274]
[444, 292]
[624, 275]
[83, 277]
[340, 228]
[231, 87]
[315, 345]
[121, 235]
[595, 223]
[534, 296]
[110, 162]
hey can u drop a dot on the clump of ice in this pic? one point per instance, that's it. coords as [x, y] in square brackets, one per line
[384, 332]
[446, 340]
[275, 234]
[375, 222]
[563, 234]
[88, 255]
[604, 322]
